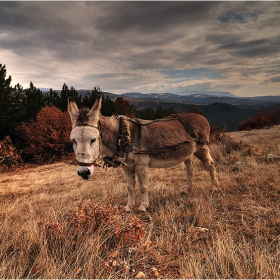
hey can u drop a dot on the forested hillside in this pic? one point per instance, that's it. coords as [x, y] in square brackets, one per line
[35, 127]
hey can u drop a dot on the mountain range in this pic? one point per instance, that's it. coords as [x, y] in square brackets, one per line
[206, 98]
[222, 109]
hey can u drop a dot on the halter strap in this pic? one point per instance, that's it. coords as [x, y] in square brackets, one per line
[85, 124]
[88, 164]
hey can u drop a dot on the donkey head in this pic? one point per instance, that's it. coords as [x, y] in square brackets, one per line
[85, 135]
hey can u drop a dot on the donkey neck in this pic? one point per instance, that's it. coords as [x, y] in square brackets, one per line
[109, 127]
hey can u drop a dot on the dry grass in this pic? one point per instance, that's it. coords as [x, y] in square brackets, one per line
[54, 225]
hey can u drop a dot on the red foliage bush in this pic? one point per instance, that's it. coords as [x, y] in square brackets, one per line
[111, 220]
[9, 156]
[226, 143]
[122, 107]
[106, 226]
[47, 138]
[260, 121]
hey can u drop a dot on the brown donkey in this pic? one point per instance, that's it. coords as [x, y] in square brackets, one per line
[137, 145]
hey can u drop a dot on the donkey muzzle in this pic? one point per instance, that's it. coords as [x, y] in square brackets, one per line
[85, 171]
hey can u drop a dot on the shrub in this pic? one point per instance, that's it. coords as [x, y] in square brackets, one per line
[260, 121]
[122, 107]
[226, 143]
[98, 235]
[47, 138]
[110, 221]
[9, 156]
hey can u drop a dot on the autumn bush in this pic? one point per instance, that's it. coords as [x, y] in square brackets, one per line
[9, 156]
[226, 143]
[109, 221]
[47, 138]
[88, 240]
[260, 121]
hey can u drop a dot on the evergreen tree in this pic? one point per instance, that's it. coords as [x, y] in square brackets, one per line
[52, 98]
[35, 101]
[12, 104]
[89, 98]
[168, 112]
[159, 112]
[107, 108]
[150, 114]
[145, 114]
[65, 93]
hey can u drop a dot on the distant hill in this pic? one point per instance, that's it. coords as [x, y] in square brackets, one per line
[218, 111]
[227, 116]
[194, 97]
[179, 95]
[269, 98]
[220, 108]
[202, 98]
[224, 115]
[225, 111]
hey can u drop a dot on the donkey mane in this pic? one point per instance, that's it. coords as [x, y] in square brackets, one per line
[83, 116]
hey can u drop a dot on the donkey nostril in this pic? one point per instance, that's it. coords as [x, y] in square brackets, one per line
[79, 173]
[88, 172]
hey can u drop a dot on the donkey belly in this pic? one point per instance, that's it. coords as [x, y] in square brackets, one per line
[168, 159]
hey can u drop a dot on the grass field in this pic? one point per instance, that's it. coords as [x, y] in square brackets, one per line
[55, 225]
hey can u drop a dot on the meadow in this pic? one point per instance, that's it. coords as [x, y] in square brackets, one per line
[55, 225]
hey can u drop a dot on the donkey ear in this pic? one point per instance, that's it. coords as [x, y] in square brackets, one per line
[95, 110]
[73, 110]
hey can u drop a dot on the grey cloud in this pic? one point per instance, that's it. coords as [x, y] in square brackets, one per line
[10, 16]
[151, 16]
[247, 48]
[275, 79]
[224, 39]
[35, 25]
[253, 48]
[126, 44]
[246, 44]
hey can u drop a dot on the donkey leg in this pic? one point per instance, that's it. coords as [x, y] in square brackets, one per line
[189, 166]
[130, 184]
[142, 174]
[203, 154]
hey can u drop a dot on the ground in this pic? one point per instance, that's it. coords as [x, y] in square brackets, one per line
[55, 225]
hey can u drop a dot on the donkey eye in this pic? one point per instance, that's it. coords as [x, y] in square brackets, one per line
[92, 141]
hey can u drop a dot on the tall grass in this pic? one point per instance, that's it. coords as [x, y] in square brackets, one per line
[54, 225]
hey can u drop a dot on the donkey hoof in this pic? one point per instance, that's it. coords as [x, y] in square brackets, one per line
[142, 208]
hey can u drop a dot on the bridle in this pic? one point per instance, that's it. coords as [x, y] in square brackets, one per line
[124, 143]
[89, 164]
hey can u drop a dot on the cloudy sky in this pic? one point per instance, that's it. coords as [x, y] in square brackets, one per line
[145, 46]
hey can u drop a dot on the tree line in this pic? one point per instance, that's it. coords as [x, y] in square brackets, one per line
[20, 105]
[35, 125]
[260, 121]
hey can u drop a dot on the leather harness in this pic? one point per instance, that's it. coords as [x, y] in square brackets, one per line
[124, 144]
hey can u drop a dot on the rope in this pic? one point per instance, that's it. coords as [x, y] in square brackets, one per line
[124, 142]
